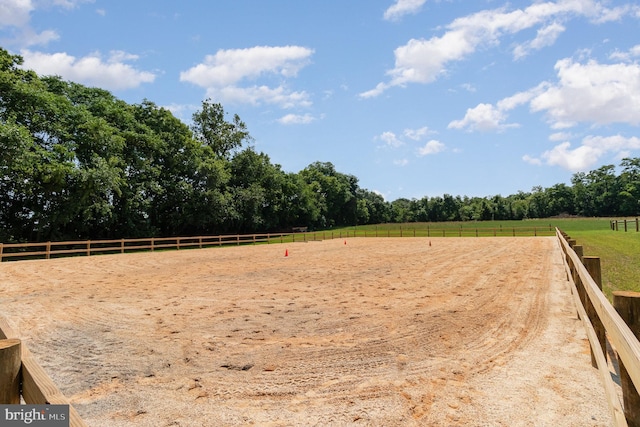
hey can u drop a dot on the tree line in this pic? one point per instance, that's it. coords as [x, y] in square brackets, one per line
[78, 163]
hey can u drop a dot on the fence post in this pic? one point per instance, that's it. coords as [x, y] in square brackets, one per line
[625, 225]
[153, 241]
[121, 246]
[637, 225]
[200, 241]
[88, 247]
[627, 304]
[1, 252]
[48, 250]
[10, 364]
[592, 264]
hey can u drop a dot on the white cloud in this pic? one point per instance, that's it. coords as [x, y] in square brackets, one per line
[592, 92]
[425, 60]
[634, 52]
[520, 98]
[296, 119]
[394, 141]
[417, 134]
[401, 8]
[256, 95]
[588, 154]
[483, 117]
[616, 13]
[401, 162]
[391, 139]
[487, 117]
[28, 37]
[578, 159]
[223, 73]
[532, 160]
[15, 13]
[468, 87]
[378, 90]
[431, 147]
[91, 70]
[546, 36]
[231, 66]
[560, 136]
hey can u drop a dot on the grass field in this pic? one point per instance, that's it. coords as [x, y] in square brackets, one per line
[619, 251]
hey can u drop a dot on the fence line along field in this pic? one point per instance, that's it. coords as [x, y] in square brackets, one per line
[375, 331]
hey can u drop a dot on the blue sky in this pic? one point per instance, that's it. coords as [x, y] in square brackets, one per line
[413, 97]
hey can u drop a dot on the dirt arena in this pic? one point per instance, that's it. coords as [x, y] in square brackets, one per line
[366, 331]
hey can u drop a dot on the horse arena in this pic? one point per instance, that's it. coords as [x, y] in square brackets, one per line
[363, 332]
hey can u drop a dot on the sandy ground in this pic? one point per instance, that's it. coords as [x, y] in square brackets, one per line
[367, 331]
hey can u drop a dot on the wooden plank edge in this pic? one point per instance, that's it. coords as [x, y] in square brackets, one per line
[6, 331]
[615, 406]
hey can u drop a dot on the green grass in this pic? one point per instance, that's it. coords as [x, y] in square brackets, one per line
[619, 251]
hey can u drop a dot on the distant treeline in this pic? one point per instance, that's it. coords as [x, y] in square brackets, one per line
[77, 163]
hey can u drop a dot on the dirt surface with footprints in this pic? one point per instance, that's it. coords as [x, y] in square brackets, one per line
[366, 331]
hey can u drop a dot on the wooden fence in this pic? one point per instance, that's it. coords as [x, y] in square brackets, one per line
[26, 379]
[625, 224]
[47, 250]
[604, 322]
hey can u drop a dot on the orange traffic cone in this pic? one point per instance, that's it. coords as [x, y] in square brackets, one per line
[345, 242]
[286, 252]
[429, 242]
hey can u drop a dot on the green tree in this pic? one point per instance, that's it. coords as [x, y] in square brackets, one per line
[560, 200]
[401, 210]
[629, 187]
[211, 128]
[335, 194]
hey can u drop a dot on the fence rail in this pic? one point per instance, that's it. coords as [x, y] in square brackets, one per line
[47, 250]
[597, 312]
[625, 224]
